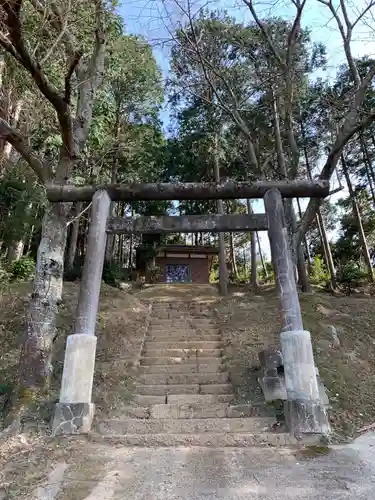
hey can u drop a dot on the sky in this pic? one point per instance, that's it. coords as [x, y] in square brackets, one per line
[155, 19]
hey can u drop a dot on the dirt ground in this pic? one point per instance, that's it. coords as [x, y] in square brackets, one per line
[343, 335]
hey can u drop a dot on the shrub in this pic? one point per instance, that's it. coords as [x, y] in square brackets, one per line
[268, 275]
[319, 272]
[75, 273]
[22, 269]
[350, 275]
[154, 274]
[113, 273]
[4, 273]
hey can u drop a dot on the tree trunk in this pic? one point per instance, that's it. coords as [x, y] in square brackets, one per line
[296, 251]
[110, 247]
[15, 250]
[130, 264]
[254, 268]
[357, 215]
[233, 256]
[16, 247]
[306, 243]
[16, 112]
[253, 248]
[72, 250]
[322, 227]
[368, 167]
[326, 248]
[298, 258]
[303, 276]
[35, 361]
[261, 255]
[223, 271]
[30, 239]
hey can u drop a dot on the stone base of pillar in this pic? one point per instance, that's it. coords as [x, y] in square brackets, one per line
[72, 418]
[74, 412]
[306, 417]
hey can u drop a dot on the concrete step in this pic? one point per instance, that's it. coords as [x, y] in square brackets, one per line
[198, 411]
[207, 399]
[183, 337]
[182, 344]
[215, 389]
[161, 390]
[199, 398]
[216, 440]
[182, 368]
[177, 316]
[188, 333]
[184, 378]
[179, 360]
[183, 352]
[183, 321]
[195, 325]
[184, 426]
[203, 410]
[143, 400]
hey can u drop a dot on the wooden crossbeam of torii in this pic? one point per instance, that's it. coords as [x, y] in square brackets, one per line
[212, 223]
[190, 190]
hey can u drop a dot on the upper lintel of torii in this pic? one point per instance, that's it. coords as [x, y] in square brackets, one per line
[189, 190]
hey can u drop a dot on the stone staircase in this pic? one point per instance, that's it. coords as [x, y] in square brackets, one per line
[183, 394]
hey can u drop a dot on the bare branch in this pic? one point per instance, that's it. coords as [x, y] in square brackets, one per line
[79, 215]
[350, 127]
[265, 33]
[7, 45]
[21, 145]
[12, 9]
[292, 37]
[73, 65]
[208, 69]
[347, 35]
[55, 17]
[363, 13]
[90, 79]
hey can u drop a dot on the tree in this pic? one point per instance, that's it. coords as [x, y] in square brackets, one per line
[78, 42]
[355, 117]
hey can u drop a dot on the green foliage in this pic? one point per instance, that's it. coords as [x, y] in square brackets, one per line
[268, 275]
[154, 274]
[348, 246]
[20, 201]
[319, 271]
[350, 275]
[5, 275]
[22, 269]
[76, 272]
[114, 273]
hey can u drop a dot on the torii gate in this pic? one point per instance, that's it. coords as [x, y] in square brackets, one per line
[304, 411]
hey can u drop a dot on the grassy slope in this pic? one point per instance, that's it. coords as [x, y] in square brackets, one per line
[348, 370]
[119, 329]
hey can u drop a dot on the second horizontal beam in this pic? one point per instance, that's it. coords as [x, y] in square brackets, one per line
[187, 224]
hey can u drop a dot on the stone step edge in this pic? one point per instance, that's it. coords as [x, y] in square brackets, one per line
[174, 410]
[180, 389]
[257, 424]
[198, 378]
[208, 440]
